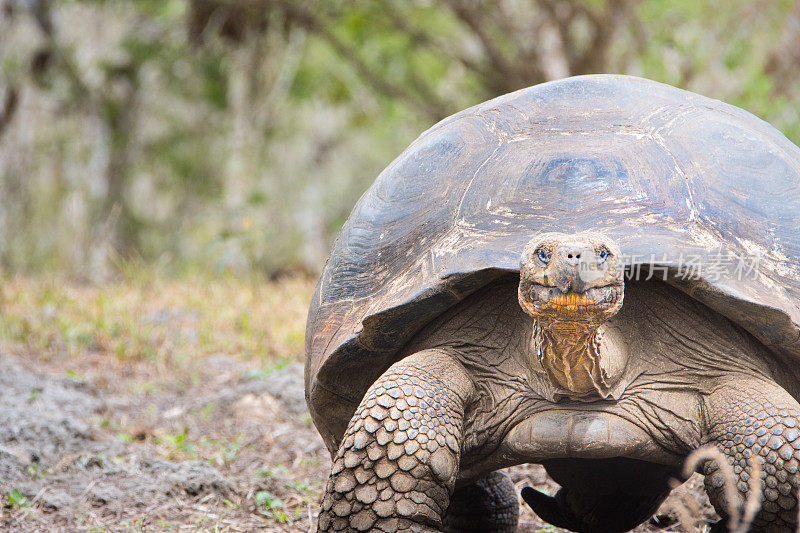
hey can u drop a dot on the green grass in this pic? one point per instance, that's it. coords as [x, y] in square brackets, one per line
[15, 498]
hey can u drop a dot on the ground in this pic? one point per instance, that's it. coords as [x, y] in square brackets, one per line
[152, 405]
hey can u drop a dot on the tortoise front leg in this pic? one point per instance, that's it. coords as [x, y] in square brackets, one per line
[397, 464]
[749, 417]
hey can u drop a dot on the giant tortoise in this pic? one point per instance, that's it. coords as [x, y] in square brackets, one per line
[471, 315]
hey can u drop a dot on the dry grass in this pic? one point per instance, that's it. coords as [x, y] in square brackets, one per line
[740, 514]
[165, 323]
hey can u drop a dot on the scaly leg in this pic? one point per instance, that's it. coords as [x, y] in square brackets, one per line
[489, 504]
[749, 417]
[398, 461]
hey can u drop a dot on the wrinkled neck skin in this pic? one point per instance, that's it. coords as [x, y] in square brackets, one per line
[580, 359]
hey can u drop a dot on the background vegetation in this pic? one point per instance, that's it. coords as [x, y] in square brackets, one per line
[214, 135]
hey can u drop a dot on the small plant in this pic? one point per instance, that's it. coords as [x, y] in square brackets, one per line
[232, 505]
[16, 499]
[299, 486]
[36, 471]
[259, 373]
[206, 410]
[282, 517]
[268, 502]
[178, 442]
[266, 499]
[231, 453]
[310, 460]
[277, 470]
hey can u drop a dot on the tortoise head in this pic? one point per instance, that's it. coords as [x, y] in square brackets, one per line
[571, 279]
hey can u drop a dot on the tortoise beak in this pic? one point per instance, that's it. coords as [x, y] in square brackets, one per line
[570, 301]
[591, 305]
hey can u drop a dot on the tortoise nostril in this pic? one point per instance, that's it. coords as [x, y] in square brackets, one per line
[571, 255]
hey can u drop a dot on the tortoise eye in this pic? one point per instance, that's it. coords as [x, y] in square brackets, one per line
[602, 255]
[543, 254]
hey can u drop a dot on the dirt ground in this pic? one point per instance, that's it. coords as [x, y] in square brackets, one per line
[236, 452]
[101, 443]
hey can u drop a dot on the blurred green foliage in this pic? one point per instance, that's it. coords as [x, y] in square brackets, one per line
[212, 135]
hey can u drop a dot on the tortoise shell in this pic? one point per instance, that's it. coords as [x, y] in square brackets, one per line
[669, 174]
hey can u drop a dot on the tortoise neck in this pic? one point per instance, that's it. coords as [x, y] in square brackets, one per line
[572, 355]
